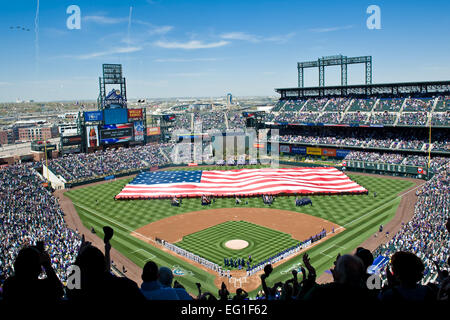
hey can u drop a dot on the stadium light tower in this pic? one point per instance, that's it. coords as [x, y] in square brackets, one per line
[337, 60]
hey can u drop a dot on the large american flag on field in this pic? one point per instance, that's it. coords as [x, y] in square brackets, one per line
[239, 182]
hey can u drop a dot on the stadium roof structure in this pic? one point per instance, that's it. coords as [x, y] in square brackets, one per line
[365, 90]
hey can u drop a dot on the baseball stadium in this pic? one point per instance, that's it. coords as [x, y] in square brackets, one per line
[330, 184]
[218, 206]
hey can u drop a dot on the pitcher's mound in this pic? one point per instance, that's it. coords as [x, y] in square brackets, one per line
[236, 244]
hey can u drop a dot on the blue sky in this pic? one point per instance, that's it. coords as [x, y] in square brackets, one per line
[208, 48]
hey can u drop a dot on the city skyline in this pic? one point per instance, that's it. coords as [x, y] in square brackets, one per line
[207, 49]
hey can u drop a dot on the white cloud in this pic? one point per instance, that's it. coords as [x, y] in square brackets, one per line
[190, 45]
[240, 36]
[331, 29]
[104, 19]
[188, 74]
[280, 38]
[244, 36]
[185, 60]
[160, 30]
[108, 52]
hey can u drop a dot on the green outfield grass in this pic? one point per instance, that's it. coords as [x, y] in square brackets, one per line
[361, 215]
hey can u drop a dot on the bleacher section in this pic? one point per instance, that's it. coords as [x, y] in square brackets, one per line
[393, 105]
[355, 118]
[235, 120]
[413, 118]
[443, 104]
[314, 105]
[372, 111]
[386, 118]
[418, 105]
[209, 120]
[293, 105]
[337, 105]
[365, 105]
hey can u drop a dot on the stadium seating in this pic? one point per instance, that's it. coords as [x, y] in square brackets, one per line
[391, 105]
[235, 120]
[365, 105]
[315, 104]
[329, 117]
[293, 105]
[385, 117]
[295, 117]
[337, 105]
[418, 105]
[443, 104]
[183, 121]
[29, 213]
[441, 119]
[425, 234]
[413, 118]
[355, 118]
[209, 120]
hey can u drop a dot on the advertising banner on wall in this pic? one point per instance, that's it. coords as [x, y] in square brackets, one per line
[92, 136]
[285, 148]
[329, 152]
[113, 133]
[298, 150]
[138, 131]
[71, 140]
[153, 131]
[135, 114]
[342, 153]
[93, 116]
[314, 151]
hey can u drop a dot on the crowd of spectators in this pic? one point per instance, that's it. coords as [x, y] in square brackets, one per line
[209, 120]
[293, 105]
[315, 104]
[365, 105]
[391, 105]
[183, 121]
[418, 105]
[397, 158]
[28, 214]
[443, 104]
[337, 105]
[441, 146]
[408, 139]
[390, 158]
[383, 118]
[337, 110]
[425, 235]
[235, 120]
[441, 119]
[355, 117]
[83, 166]
[296, 117]
[329, 117]
[413, 118]
[413, 144]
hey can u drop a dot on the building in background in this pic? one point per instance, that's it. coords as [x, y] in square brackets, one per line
[3, 137]
[38, 133]
[229, 99]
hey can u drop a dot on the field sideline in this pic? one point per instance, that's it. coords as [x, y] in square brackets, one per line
[359, 214]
